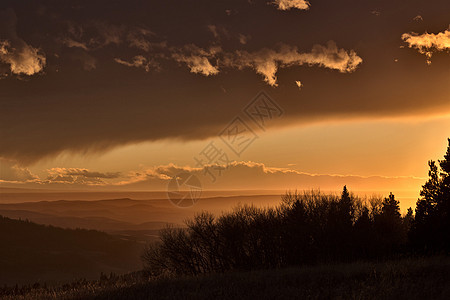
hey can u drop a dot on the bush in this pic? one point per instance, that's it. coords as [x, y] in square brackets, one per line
[306, 228]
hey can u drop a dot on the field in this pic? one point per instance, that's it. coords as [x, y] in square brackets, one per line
[406, 278]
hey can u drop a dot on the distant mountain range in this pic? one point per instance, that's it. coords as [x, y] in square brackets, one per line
[123, 214]
[136, 220]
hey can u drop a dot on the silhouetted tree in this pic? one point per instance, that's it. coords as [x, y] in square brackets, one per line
[443, 205]
[388, 225]
[431, 230]
[391, 209]
[298, 235]
[346, 209]
[364, 234]
[408, 220]
[339, 229]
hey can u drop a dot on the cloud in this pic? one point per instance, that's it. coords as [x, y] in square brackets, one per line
[73, 38]
[267, 61]
[208, 61]
[214, 30]
[94, 35]
[331, 57]
[199, 64]
[245, 175]
[139, 38]
[138, 61]
[224, 34]
[83, 172]
[198, 59]
[20, 57]
[160, 174]
[243, 39]
[290, 4]
[427, 43]
[10, 171]
[375, 13]
[254, 175]
[74, 44]
[77, 176]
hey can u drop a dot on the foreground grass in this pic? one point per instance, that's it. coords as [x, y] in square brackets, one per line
[410, 278]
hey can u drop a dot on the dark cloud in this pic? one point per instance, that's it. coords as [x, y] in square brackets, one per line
[92, 94]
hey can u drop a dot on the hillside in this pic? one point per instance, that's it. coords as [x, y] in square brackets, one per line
[37, 253]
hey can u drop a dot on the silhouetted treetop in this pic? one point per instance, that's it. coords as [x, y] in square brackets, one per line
[431, 228]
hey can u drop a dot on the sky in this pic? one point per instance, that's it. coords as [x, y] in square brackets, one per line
[284, 94]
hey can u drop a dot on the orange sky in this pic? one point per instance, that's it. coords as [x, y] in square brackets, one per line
[361, 94]
[372, 151]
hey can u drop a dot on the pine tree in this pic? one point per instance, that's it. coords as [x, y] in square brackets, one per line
[408, 219]
[346, 209]
[431, 230]
[445, 182]
[388, 225]
[443, 204]
[445, 163]
[345, 193]
[391, 208]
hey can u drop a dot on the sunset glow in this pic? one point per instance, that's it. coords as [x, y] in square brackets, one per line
[102, 102]
[240, 149]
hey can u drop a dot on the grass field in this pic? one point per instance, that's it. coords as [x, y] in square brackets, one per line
[407, 278]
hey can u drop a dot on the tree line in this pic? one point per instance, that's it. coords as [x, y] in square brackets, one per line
[308, 228]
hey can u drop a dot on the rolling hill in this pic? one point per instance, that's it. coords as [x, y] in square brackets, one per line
[31, 252]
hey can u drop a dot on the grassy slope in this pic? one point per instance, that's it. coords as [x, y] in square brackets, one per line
[413, 278]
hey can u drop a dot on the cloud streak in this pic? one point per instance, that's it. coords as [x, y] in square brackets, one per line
[254, 175]
[267, 61]
[236, 175]
[138, 61]
[427, 43]
[78, 176]
[82, 172]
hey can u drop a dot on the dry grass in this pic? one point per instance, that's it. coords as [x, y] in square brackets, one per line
[408, 278]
